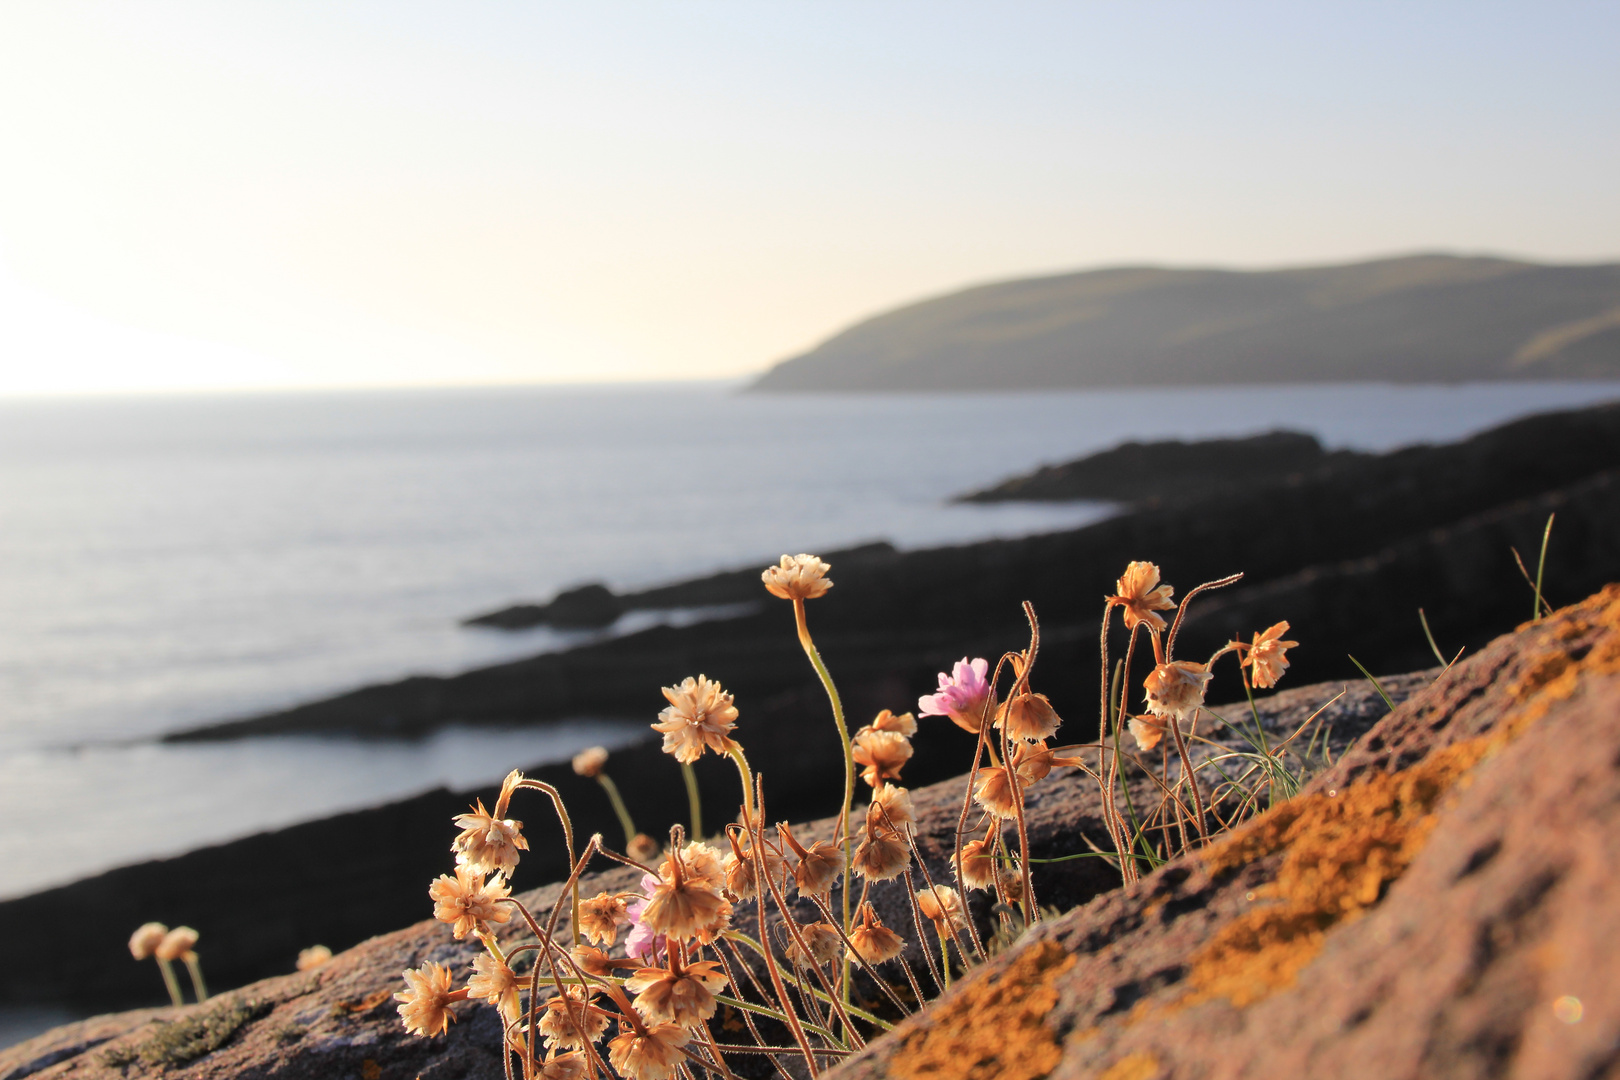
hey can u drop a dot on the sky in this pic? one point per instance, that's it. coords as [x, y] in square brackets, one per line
[203, 196]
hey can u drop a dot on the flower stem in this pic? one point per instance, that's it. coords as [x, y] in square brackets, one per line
[197, 984]
[170, 982]
[814, 654]
[747, 775]
[612, 790]
[693, 801]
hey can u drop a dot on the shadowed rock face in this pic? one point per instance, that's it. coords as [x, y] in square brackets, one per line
[1433, 905]
[1440, 904]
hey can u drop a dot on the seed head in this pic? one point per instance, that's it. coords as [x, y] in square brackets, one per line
[589, 762]
[571, 1021]
[872, 941]
[686, 907]
[1029, 716]
[995, 794]
[822, 941]
[978, 863]
[467, 903]
[882, 853]
[145, 941]
[1141, 596]
[699, 714]
[739, 868]
[883, 753]
[313, 957]
[425, 1002]
[797, 577]
[904, 724]
[896, 804]
[651, 1054]
[1266, 659]
[495, 983]
[601, 916]
[487, 843]
[1176, 689]
[684, 997]
[818, 867]
[941, 905]
[176, 944]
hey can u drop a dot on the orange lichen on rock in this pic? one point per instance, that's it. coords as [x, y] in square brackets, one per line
[1342, 849]
[1140, 1066]
[993, 1029]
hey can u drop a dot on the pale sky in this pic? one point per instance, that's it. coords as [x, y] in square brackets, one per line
[286, 194]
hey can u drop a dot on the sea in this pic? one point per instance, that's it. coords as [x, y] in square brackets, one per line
[167, 562]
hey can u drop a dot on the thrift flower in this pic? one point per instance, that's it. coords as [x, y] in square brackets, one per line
[1176, 689]
[487, 843]
[589, 762]
[684, 997]
[313, 957]
[426, 1000]
[822, 941]
[1142, 597]
[592, 961]
[819, 864]
[883, 853]
[686, 907]
[1029, 716]
[799, 577]
[739, 869]
[941, 905]
[1266, 659]
[883, 753]
[495, 983]
[145, 941]
[896, 804]
[601, 916]
[569, 1066]
[699, 714]
[962, 695]
[1147, 730]
[643, 943]
[570, 1021]
[467, 903]
[700, 863]
[642, 848]
[649, 1054]
[978, 863]
[995, 794]
[904, 724]
[872, 941]
[176, 944]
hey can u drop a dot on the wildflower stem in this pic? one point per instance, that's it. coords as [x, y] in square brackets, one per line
[694, 801]
[763, 886]
[747, 775]
[945, 958]
[814, 654]
[195, 968]
[619, 808]
[170, 981]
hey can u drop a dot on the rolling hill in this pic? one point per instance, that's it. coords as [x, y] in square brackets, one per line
[1419, 318]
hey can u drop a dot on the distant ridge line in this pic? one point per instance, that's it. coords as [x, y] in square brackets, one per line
[1412, 318]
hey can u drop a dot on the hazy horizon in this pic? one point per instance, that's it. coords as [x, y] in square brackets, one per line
[294, 195]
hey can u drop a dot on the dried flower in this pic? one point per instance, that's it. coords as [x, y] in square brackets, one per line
[1033, 761]
[487, 843]
[872, 941]
[1266, 659]
[896, 804]
[883, 753]
[904, 724]
[684, 997]
[313, 957]
[145, 941]
[962, 695]
[570, 1021]
[592, 961]
[425, 1003]
[941, 905]
[176, 944]
[601, 916]
[1147, 730]
[1029, 716]
[642, 848]
[798, 577]
[978, 863]
[882, 854]
[467, 903]
[1012, 883]
[650, 1054]
[700, 863]
[1176, 688]
[495, 983]
[995, 794]
[819, 864]
[589, 762]
[570, 1066]
[822, 941]
[699, 714]
[1142, 597]
[739, 868]
[686, 907]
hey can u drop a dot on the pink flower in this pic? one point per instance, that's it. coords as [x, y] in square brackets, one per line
[962, 695]
[642, 944]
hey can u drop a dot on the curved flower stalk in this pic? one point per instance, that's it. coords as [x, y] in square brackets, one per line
[591, 763]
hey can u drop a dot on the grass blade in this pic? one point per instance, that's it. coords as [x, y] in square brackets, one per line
[1374, 681]
[1424, 619]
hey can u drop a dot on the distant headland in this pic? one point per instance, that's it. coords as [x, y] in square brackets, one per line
[1417, 318]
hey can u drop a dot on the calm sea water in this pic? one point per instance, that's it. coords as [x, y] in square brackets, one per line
[169, 562]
